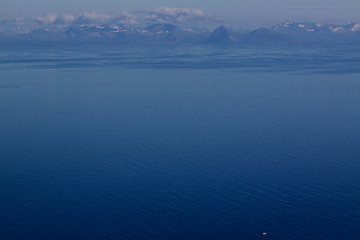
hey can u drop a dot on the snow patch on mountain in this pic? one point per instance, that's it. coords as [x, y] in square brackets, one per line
[356, 27]
[294, 27]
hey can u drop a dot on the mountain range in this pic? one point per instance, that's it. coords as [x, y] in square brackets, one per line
[164, 33]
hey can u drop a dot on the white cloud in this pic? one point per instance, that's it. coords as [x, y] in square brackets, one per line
[95, 17]
[86, 18]
[166, 14]
[126, 18]
[67, 18]
[48, 19]
[183, 17]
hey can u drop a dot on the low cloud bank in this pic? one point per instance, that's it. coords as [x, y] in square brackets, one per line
[180, 16]
[175, 15]
[48, 19]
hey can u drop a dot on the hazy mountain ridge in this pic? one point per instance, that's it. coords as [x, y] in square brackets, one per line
[164, 33]
[290, 26]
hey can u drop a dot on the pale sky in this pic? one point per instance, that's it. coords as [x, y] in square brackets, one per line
[247, 12]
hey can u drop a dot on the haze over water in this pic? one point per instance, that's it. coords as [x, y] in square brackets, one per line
[180, 143]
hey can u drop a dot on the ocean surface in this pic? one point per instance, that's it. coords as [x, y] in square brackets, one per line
[192, 142]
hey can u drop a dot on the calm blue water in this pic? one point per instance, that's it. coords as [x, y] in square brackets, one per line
[180, 143]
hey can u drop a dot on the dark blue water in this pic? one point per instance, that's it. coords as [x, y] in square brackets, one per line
[180, 143]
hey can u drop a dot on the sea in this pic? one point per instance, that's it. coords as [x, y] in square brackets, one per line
[180, 142]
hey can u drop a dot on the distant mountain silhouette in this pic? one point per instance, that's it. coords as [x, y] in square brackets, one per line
[297, 27]
[169, 33]
[118, 34]
[264, 35]
[157, 28]
[220, 35]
